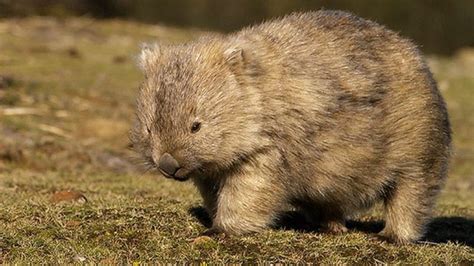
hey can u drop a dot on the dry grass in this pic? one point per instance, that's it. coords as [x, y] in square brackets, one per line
[66, 101]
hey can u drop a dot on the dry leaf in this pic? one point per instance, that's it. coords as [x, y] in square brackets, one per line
[203, 241]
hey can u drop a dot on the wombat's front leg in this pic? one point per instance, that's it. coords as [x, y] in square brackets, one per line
[245, 206]
[249, 200]
[208, 188]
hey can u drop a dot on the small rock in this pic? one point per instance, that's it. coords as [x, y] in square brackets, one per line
[6, 81]
[119, 59]
[68, 195]
[73, 52]
[114, 162]
[11, 153]
[80, 258]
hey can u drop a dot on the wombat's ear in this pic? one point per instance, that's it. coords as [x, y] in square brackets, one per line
[241, 61]
[234, 56]
[148, 56]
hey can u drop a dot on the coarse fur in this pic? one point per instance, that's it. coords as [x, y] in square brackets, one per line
[321, 111]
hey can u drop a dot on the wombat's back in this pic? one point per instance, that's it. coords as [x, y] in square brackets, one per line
[330, 73]
[351, 106]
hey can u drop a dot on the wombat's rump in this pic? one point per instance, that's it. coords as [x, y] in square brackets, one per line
[322, 111]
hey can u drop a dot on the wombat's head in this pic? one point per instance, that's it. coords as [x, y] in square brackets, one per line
[193, 114]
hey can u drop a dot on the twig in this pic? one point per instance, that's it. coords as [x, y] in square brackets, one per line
[21, 111]
[54, 130]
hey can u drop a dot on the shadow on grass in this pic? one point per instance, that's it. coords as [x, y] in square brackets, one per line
[441, 229]
[201, 215]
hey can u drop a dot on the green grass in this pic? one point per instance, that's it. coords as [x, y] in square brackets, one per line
[78, 79]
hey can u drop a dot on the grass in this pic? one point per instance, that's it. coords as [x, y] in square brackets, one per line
[67, 91]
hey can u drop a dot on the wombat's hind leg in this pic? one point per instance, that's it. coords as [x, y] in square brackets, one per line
[327, 219]
[408, 210]
[334, 227]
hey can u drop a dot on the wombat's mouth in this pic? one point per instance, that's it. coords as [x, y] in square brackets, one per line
[180, 175]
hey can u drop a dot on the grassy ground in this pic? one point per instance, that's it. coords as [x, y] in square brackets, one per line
[69, 193]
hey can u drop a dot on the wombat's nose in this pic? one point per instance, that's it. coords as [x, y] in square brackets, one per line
[168, 164]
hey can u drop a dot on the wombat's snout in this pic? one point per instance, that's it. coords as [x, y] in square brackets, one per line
[168, 164]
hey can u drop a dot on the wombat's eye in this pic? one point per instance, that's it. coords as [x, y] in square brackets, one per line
[195, 127]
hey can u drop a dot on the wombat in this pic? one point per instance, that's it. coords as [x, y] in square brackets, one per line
[323, 112]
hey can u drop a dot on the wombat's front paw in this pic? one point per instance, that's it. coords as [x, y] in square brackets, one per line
[394, 239]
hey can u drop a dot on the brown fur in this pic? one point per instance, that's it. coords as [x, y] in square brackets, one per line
[322, 111]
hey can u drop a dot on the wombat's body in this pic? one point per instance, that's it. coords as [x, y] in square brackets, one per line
[322, 111]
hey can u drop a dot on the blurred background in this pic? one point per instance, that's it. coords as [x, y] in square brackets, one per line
[439, 26]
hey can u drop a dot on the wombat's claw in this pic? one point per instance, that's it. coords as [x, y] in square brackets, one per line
[213, 232]
[389, 238]
[377, 238]
[383, 238]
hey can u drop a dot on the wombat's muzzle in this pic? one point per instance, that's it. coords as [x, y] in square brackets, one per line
[171, 168]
